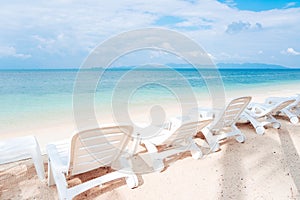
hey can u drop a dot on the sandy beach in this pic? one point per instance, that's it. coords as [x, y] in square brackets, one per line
[264, 167]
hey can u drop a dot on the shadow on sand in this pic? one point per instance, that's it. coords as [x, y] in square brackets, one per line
[233, 185]
[291, 156]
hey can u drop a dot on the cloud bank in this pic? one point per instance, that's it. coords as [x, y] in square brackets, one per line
[62, 33]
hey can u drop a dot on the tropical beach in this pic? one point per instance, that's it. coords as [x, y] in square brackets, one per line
[175, 99]
[263, 167]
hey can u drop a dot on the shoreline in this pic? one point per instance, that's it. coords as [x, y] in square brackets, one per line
[60, 125]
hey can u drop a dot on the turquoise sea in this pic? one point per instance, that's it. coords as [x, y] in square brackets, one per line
[37, 93]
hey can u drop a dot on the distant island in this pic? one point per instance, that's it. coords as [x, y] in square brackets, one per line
[234, 66]
[249, 66]
[183, 66]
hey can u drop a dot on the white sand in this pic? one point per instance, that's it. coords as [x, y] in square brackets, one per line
[264, 167]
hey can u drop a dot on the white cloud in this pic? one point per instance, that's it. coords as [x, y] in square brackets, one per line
[236, 27]
[211, 56]
[230, 3]
[291, 51]
[289, 5]
[9, 51]
[66, 27]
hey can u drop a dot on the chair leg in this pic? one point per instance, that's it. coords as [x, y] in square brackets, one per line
[157, 162]
[50, 174]
[132, 181]
[297, 111]
[210, 139]
[293, 118]
[259, 127]
[240, 137]
[273, 121]
[38, 160]
[195, 150]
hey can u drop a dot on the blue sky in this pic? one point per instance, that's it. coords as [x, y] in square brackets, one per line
[61, 33]
[257, 6]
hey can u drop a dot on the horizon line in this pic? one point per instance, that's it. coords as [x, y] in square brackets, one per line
[120, 68]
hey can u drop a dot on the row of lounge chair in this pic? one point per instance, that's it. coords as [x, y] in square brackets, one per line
[114, 146]
[108, 146]
[262, 114]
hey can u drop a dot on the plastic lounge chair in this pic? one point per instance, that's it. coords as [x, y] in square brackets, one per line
[292, 111]
[177, 140]
[19, 148]
[260, 114]
[224, 123]
[90, 149]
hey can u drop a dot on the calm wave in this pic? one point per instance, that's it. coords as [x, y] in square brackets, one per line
[25, 93]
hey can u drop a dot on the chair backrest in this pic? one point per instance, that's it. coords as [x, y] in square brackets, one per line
[186, 131]
[231, 113]
[276, 101]
[296, 103]
[97, 147]
[281, 105]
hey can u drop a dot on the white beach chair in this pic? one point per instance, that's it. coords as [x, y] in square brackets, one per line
[260, 114]
[20, 148]
[174, 141]
[224, 123]
[292, 111]
[90, 149]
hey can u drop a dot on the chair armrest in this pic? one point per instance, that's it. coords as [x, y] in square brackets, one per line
[151, 148]
[254, 107]
[273, 100]
[55, 159]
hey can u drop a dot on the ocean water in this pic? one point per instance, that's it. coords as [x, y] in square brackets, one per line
[38, 94]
